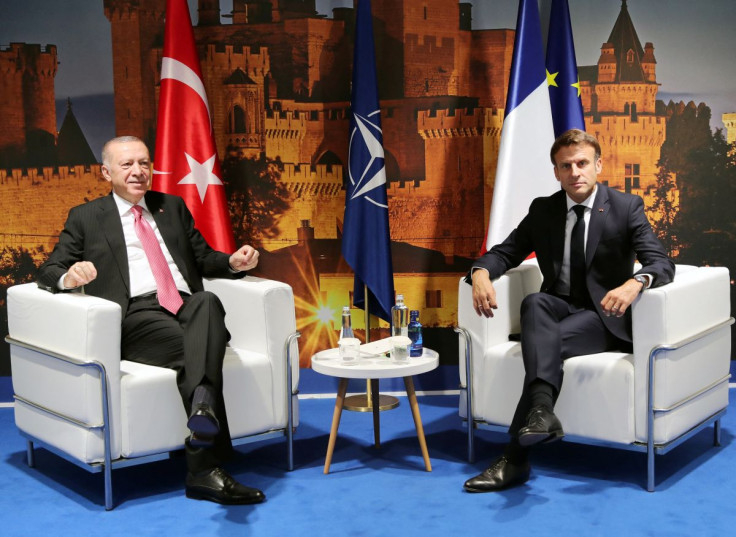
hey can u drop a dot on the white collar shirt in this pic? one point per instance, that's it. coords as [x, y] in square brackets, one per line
[141, 277]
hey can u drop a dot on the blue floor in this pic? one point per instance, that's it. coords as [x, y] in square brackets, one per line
[574, 489]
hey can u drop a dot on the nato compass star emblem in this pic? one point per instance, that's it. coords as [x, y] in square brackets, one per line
[373, 172]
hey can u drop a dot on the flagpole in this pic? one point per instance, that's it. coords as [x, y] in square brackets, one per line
[363, 402]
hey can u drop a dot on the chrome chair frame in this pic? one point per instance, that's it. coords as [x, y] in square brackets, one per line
[649, 447]
[108, 464]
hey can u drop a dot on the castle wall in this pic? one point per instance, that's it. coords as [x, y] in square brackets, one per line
[625, 142]
[613, 97]
[446, 210]
[490, 64]
[317, 195]
[302, 132]
[34, 203]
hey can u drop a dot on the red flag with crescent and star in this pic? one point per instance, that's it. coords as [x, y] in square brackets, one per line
[186, 162]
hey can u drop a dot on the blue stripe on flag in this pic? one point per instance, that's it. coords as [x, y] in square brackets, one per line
[366, 244]
[527, 64]
[567, 108]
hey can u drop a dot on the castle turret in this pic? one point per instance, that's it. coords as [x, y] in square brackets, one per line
[136, 26]
[620, 104]
[208, 13]
[27, 105]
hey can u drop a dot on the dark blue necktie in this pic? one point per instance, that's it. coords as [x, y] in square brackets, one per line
[578, 288]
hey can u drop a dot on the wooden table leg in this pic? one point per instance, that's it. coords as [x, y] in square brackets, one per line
[342, 389]
[409, 383]
[376, 404]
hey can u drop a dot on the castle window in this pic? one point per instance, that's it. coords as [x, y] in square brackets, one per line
[425, 13]
[630, 56]
[237, 120]
[433, 298]
[631, 177]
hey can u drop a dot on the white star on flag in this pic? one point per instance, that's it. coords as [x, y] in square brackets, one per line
[201, 174]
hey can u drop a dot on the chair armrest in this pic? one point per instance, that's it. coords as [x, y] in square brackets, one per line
[697, 301]
[511, 288]
[260, 317]
[80, 327]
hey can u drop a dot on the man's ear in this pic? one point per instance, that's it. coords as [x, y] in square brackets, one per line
[106, 173]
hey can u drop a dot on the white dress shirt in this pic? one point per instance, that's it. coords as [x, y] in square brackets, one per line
[141, 277]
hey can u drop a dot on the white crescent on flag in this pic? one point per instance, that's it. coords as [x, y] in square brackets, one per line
[175, 70]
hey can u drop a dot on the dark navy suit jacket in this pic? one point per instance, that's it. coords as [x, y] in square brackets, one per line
[618, 233]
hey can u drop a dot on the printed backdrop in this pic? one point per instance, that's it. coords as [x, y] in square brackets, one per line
[79, 72]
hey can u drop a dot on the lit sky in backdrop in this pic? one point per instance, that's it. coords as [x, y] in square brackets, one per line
[694, 41]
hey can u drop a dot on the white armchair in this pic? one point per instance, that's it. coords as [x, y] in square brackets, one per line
[75, 397]
[673, 385]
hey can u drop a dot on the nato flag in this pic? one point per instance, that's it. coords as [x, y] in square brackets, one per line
[366, 242]
[564, 85]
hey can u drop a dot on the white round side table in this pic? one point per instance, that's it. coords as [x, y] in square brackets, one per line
[328, 362]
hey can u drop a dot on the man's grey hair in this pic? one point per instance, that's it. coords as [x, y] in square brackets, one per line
[117, 140]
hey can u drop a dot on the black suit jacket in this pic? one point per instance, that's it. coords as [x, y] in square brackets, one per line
[94, 232]
[618, 233]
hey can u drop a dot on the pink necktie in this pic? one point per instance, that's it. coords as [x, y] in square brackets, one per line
[168, 295]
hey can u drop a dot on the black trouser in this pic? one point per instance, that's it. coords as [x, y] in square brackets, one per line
[552, 330]
[192, 343]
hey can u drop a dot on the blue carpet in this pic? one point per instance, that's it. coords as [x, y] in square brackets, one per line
[578, 489]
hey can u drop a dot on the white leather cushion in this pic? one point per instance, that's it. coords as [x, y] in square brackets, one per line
[597, 397]
[153, 414]
[596, 400]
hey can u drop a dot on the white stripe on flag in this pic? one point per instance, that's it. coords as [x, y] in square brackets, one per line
[524, 170]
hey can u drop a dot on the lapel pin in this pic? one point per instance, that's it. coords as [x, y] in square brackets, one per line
[600, 210]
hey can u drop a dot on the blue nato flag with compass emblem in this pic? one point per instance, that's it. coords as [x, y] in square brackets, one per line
[366, 244]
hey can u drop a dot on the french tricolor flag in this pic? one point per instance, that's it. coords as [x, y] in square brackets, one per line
[524, 170]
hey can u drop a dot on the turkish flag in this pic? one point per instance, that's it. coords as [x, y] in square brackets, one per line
[186, 162]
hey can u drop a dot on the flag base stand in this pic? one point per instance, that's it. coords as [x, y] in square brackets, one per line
[361, 403]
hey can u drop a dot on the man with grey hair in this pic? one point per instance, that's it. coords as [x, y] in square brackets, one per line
[141, 249]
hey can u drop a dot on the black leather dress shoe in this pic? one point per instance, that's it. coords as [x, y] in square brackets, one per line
[218, 486]
[203, 422]
[500, 475]
[541, 426]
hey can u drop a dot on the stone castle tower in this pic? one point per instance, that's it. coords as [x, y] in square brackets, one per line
[729, 122]
[619, 97]
[136, 26]
[27, 105]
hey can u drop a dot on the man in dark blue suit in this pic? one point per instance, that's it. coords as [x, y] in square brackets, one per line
[586, 238]
[106, 246]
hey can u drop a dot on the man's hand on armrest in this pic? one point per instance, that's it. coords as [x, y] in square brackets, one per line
[484, 295]
[80, 273]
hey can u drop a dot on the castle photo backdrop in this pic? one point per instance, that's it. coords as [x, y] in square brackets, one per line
[658, 86]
